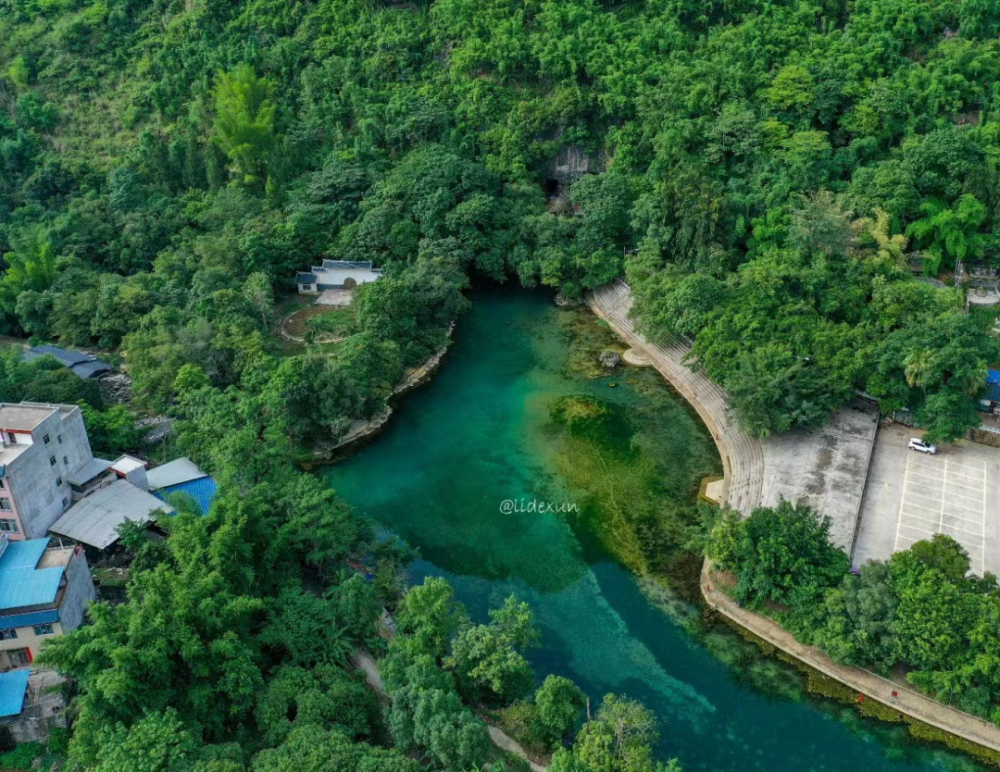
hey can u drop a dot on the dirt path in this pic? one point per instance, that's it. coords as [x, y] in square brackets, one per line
[365, 662]
[907, 701]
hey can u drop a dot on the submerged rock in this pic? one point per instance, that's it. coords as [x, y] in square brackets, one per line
[610, 359]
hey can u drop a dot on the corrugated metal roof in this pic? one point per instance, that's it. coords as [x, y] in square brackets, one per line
[89, 369]
[13, 688]
[84, 365]
[66, 357]
[95, 519]
[29, 619]
[180, 470]
[89, 471]
[201, 490]
[305, 278]
[21, 583]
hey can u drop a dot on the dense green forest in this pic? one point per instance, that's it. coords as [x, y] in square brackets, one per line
[769, 173]
[232, 649]
[919, 613]
[766, 174]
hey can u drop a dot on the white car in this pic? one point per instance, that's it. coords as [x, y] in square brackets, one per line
[918, 444]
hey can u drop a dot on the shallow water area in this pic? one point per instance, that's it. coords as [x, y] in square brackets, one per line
[521, 412]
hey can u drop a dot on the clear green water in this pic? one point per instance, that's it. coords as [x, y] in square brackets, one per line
[482, 432]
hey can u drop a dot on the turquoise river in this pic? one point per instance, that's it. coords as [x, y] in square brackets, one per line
[485, 431]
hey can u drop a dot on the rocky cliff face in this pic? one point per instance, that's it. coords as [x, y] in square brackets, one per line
[572, 162]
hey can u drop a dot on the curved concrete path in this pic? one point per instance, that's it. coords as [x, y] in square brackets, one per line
[742, 456]
[907, 700]
[743, 466]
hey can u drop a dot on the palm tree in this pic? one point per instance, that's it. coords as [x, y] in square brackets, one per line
[950, 231]
[917, 367]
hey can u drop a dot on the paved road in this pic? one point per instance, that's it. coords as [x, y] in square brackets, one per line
[744, 465]
[826, 467]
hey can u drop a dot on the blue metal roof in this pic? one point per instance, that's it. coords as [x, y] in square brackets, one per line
[992, 392]
[993, 377]
[21, 582]
[201, 490]
[29, 619]
[13, 688]
[305, 278]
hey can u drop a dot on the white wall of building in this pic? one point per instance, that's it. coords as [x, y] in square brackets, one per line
[40, 488]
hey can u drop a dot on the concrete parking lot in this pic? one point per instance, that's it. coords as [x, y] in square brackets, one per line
[911, 496]
[824, 468]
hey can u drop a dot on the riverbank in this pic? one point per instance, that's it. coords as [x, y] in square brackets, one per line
[742, 456]
[412, 378]
[484, 430]
[895, 696]
[745, 457]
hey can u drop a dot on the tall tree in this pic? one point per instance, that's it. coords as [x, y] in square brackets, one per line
[244, 122]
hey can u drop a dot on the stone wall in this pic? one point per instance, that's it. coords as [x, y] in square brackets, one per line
[984, 437]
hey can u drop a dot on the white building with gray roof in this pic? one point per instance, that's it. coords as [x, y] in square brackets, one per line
[337, 274]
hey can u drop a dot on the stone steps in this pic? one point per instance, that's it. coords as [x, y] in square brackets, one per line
[743, 456]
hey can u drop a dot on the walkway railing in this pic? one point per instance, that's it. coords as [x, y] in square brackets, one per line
[743, 465]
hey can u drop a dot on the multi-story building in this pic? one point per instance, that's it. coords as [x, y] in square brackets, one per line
[45, 588]
[41, 448]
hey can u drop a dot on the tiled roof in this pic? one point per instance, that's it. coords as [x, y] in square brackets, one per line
[87, 369]
[21, 582]
[67, 358]
[84, 365]
[332, 265]
[13, 688]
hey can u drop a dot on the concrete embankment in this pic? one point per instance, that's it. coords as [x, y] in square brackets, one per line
[834, 486]
[896, 696]
[742, 455]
